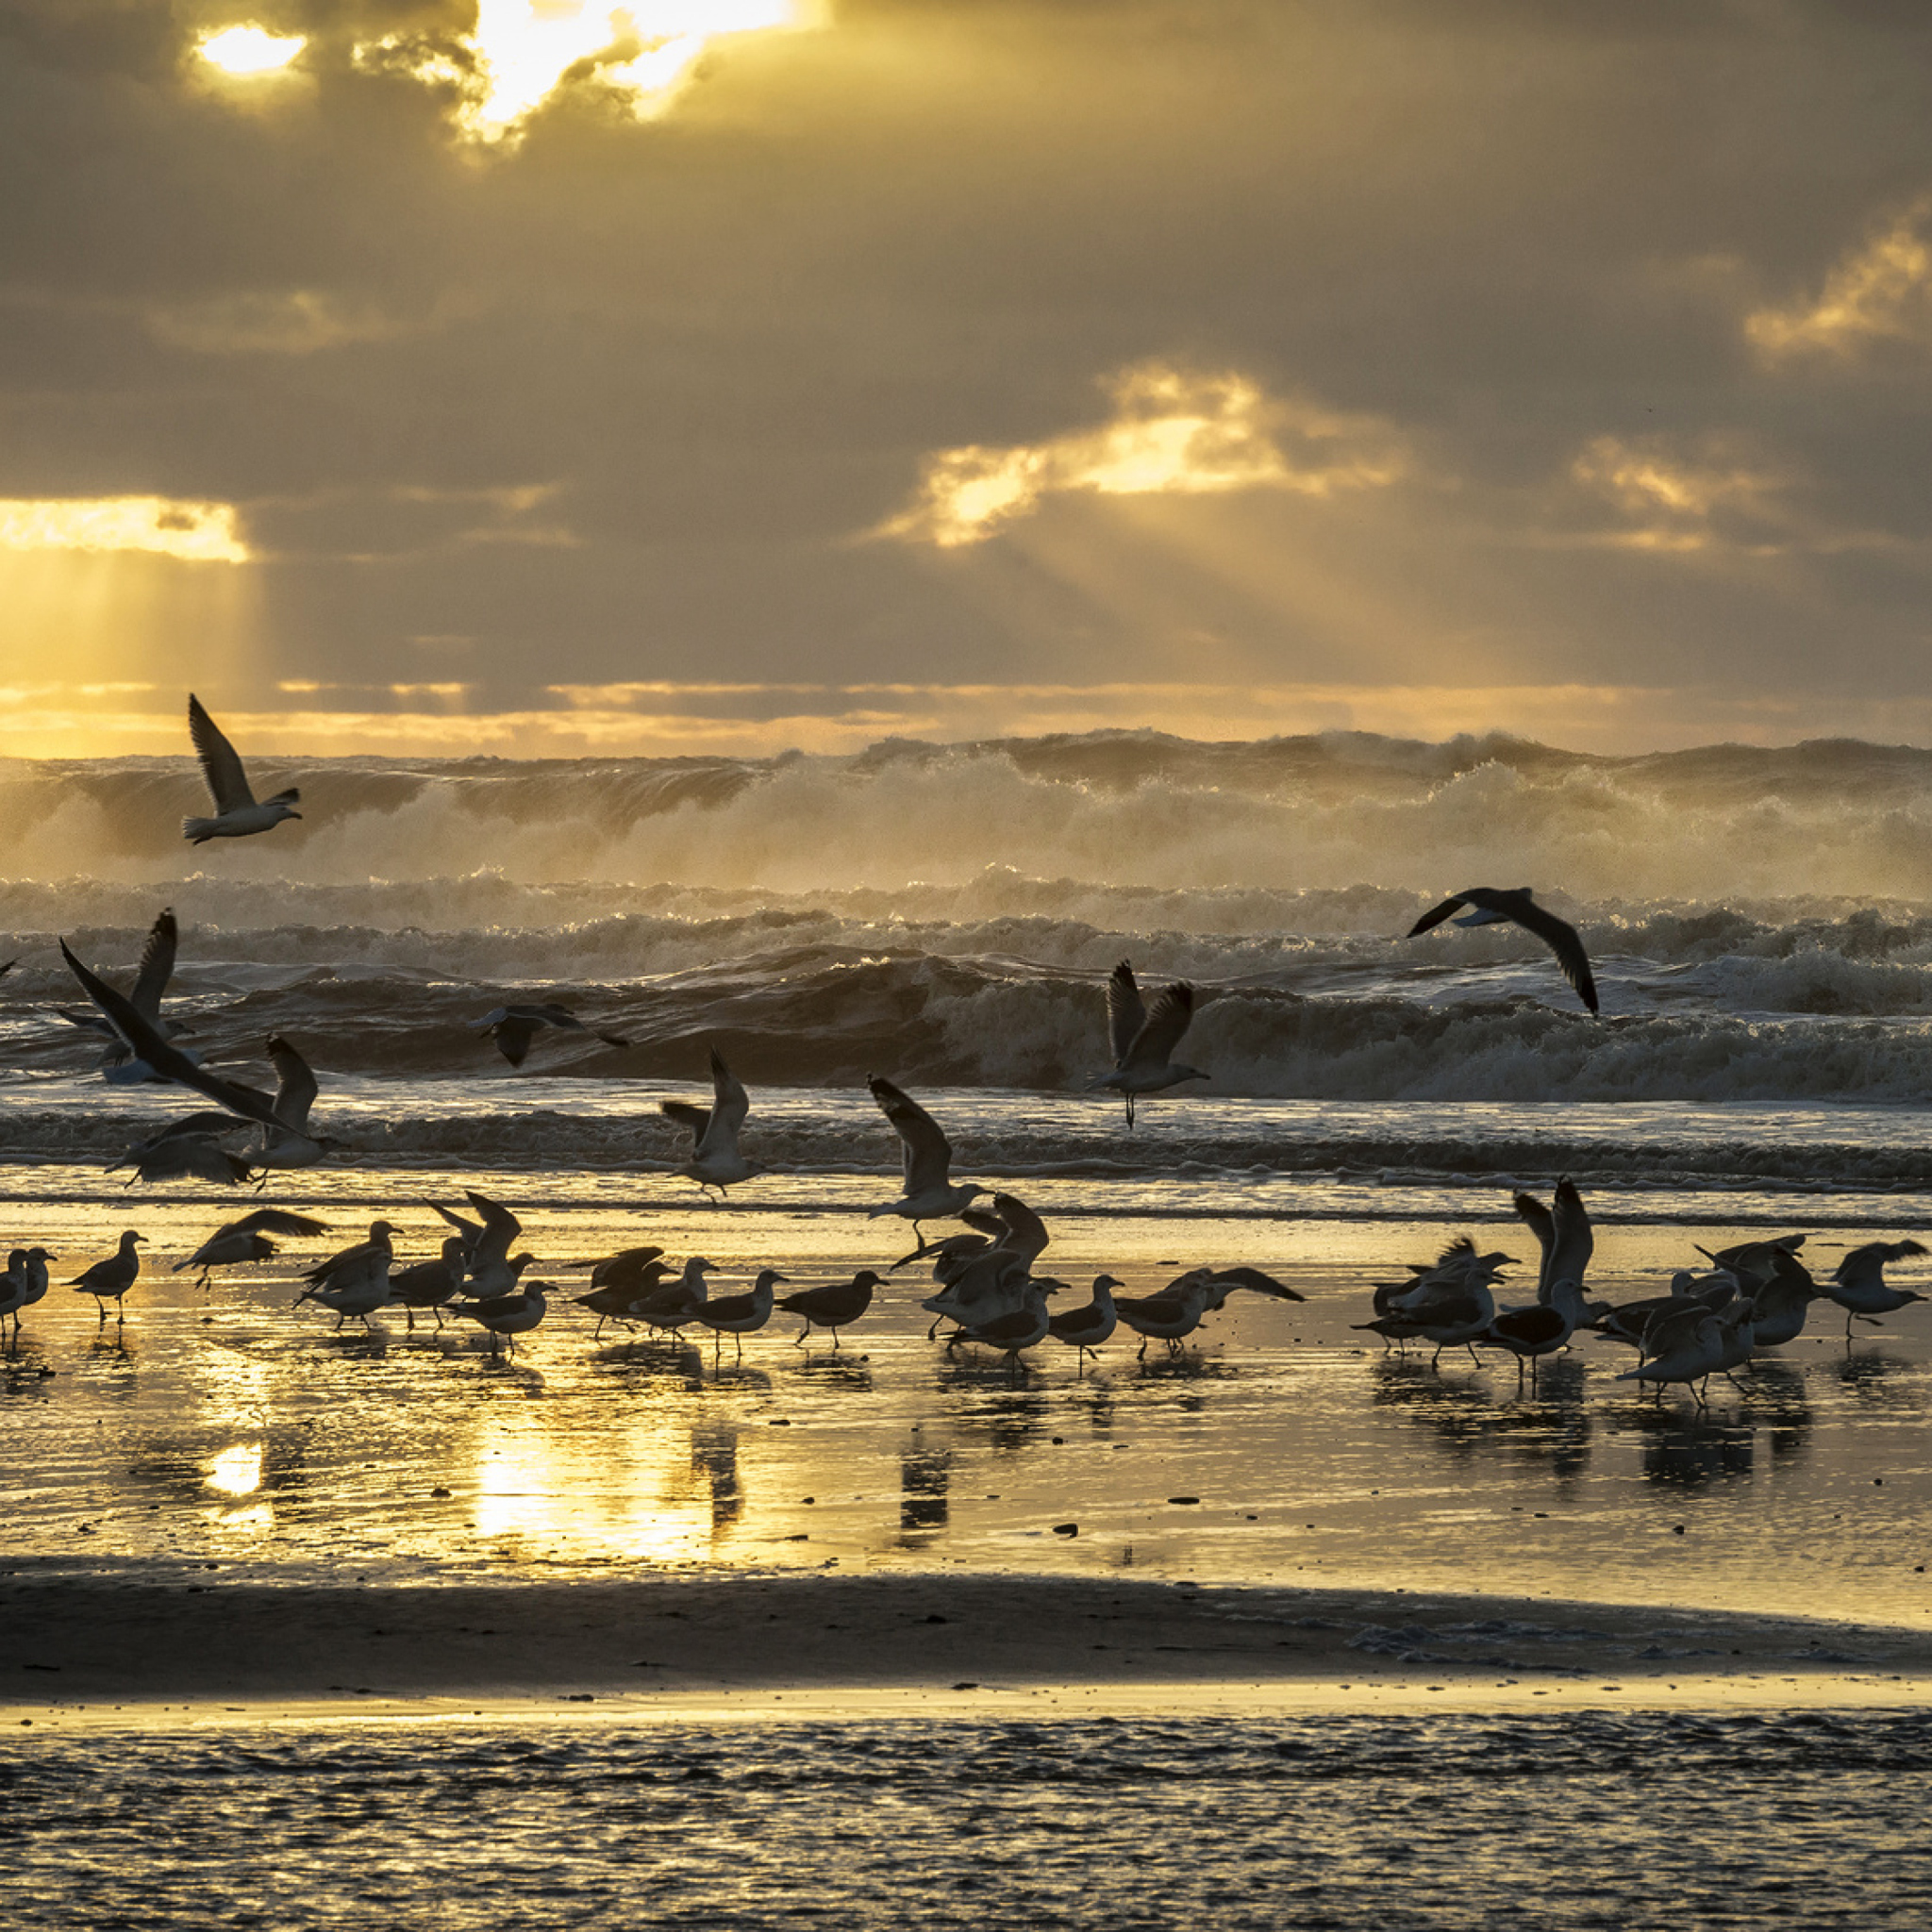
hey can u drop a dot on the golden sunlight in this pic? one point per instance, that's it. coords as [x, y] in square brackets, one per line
[192, 532]
[522, 51]
[1882, 287]
[1170, 433]
[245, 50]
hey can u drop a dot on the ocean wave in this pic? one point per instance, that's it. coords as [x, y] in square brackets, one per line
[1839, 821]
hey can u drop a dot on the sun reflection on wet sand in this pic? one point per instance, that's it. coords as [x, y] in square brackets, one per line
[1281, 1450]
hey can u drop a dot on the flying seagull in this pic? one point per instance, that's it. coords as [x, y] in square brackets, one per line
[715, 1160]
[514, 1028]
[1143, 1038]
[928, 1192]
[1495, 905]
[237, 814]
[170, 1063]
[150, 982]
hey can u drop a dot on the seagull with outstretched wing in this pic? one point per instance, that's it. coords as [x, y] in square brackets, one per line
[928, 1190]
[715, 1160]
[144, 1042]
[514, 1028]
[237, 813]
[1494, 905]
[1143, 1038]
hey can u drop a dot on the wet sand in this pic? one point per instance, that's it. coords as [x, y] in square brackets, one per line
[139, 1644]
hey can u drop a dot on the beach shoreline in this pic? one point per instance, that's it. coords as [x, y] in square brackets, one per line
[147, 1646]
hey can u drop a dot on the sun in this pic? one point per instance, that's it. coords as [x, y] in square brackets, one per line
[245, 50]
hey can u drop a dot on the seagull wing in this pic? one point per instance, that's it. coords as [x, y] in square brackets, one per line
[696, 1118]
[1167, 1019]
[276, 1221]
[226, 781]
[1576, 1242]
[470, 1231]
[1126, 1015]
[157, 966]
[1560, 937]
[1437, 914]
[500, 1227]
[144, 1042]
[1023, 1234]
[730, 1103]
[1542, 1223]
[928, 1153]
[295, 1083]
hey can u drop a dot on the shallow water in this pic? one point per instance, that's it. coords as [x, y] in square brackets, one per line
[1594, 1819]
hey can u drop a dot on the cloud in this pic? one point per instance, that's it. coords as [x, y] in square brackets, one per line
[1881, 289]
[1679, 500]
[521, 54]
[193, 532]
[1170, 433]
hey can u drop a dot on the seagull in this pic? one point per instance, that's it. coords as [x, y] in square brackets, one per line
[492, 1270]
[349, 1263]
[514, 1028]
[248, 1240]
[1540, 1328]
[835, 1304]
[928, 1190]
[1494, 905]
[188, 1150]
[615, 1271]
[144, 1042]
[715, 1160]
[1779, 1308]
[237, 814]
[674, 1305]
[620, 1300]
[25, 1281]
[292, 1145]
[739, 1315]
[150, 982]
[1168, 1317]
[428, 1284]
[1143, 1038]
[507, 1316]
[113, 1277]
[1026, 1328]
[1092, 1326]
[1688, 1347]
[1858, 1284]
[1222, 1282]
[1562, 1231]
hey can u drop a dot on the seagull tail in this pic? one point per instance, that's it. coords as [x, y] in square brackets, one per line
[198, 831]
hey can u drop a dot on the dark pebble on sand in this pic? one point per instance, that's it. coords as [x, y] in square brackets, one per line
[1676, 1530]
[966, 1684]
[1066, 1530]
[935, 1618]
[438, 1490]
[1184, 1499]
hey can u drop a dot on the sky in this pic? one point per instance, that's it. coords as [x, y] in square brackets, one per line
[425, 377]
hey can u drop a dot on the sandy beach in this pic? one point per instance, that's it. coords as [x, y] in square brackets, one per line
[135, 1646]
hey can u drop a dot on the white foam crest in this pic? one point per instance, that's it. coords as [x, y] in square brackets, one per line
[1205, 825]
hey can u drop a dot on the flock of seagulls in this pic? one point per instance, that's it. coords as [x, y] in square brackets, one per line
[985, 1283]
[985, 1286]
[1706, 1323]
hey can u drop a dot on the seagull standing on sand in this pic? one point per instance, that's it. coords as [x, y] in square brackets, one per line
[428, 1284]
[928, 1192]
[111, 1279]
[507, 1316]
[833, 1306]
[1143, 1038]
[237, 814]
[1092, 1326]
[739, 1315]
[1495, 905]
[514, 1028]
[715, 1160]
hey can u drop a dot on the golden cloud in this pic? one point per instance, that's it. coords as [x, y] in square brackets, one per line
[169, 526]
[1881, 288]
[522, 53]
[1675, 499]
[1170, 433]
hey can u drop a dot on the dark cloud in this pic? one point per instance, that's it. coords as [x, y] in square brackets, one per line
[723, 343]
